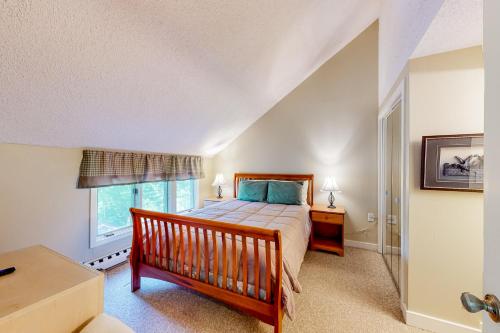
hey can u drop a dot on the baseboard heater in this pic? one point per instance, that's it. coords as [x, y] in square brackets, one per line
[110, 260]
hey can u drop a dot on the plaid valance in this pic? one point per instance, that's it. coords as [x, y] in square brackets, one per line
[104, 168]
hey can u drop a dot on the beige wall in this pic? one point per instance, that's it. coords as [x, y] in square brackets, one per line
[40, 204]
[445, 228]
[205, 185]
[326, 126]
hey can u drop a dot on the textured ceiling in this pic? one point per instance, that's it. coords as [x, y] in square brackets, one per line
[458, 24]
[169, 76]
[402, 25]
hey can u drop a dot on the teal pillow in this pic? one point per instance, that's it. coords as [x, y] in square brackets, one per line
[252, 190]
[287, 193]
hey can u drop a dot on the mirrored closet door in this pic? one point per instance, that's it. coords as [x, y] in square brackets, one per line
[392, 182]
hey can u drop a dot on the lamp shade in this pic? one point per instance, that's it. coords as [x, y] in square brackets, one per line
[219, 180]
[330, 185]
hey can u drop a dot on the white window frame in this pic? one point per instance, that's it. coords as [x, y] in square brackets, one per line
[99, 240]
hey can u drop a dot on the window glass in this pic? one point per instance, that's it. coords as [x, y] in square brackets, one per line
[155, 196]
[113, 205]
[185, 195]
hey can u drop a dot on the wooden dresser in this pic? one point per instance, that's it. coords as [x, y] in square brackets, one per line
[327, 231]
[47, 293]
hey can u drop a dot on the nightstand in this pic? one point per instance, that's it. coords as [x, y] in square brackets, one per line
[327, 230]
[212, 201]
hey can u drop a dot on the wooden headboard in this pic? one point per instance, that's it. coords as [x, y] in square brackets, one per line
[277, 176]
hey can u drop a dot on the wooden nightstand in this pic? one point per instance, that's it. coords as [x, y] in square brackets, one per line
[327, 231]
[212, 201]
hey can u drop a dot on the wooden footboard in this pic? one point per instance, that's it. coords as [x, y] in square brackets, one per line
[156, 235]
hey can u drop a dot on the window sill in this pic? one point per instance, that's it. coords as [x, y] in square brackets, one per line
[110, 237]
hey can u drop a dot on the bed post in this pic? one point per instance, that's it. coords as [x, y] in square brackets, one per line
[135, 255]
[278, 305]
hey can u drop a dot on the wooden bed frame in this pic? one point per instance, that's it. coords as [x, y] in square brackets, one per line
[146, 261]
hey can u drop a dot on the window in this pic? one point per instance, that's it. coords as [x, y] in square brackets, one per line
[154, 196]
[185, 198]
[112, 208]
[110, 216]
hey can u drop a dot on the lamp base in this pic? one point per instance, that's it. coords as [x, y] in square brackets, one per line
[219, 192]
[331, 200]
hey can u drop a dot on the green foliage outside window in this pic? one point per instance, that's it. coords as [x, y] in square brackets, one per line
[113, 202]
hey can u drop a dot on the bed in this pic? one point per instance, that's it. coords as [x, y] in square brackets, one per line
[235, 251]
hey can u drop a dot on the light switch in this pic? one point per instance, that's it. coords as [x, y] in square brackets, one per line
[371, 217]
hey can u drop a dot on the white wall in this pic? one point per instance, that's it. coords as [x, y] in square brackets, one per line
[326, 126]
[445, 228]
[40, 204]
[402, 25]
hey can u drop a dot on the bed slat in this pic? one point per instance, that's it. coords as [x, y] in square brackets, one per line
[160, 244]
[190, 252]
[234, 262]
[148, 257]
[207, 255]
[198, 254]
[141, 248]
[167, 245]
[224, 261]
[268, 271]
[256, 267]
[174, 249]
[216, 258]
[244, 256]
[181, 247]
[153, 242]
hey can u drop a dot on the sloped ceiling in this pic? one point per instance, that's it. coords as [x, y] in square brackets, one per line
[402, 25]
[167, 76]
[457, 25]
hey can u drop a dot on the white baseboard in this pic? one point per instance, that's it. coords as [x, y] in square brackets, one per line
[437, 325]
[361, 245]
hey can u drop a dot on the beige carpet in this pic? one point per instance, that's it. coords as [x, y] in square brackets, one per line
[350, 294]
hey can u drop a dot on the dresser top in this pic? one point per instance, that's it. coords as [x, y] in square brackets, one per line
[40, 274]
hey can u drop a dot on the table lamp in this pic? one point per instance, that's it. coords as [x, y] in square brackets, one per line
[331, 186]
[219, 182]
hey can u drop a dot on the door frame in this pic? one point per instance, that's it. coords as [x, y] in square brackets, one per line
[400, 94]
[491, 231]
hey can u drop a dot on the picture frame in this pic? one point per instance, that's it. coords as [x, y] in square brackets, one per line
[453, 162]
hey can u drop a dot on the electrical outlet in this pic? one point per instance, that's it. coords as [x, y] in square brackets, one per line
[371, 217]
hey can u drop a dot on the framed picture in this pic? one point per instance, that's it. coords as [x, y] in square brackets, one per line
[452, 162]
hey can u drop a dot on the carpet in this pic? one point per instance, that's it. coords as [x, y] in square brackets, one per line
[350, 294]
